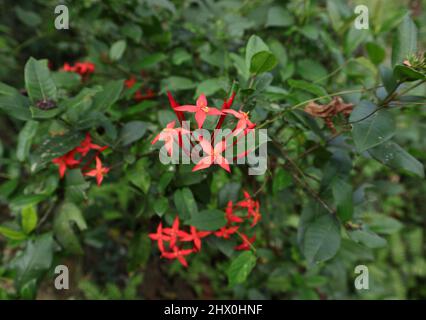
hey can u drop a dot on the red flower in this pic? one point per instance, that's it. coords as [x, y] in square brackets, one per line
[196, 236]
[255, 214]
[160, 237]
[201, 110]
[213, 156]
[230, 217]
[246, 242]
[178, 254]
[174, 233]
[86, 145]
[243, 122]
[167, 135]
[65, 162]
[82, 68]
[98, 172]
[149, 94]
[129, 83]
[226, 232]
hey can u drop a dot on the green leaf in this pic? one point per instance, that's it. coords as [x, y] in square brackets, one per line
[152, 60]
[108, 96]
[29, 219]
[371, 128]
[382, 224]
[174, 83]
[254, 45]
[6, 90]
[388, 78]
[354, 38]
[342, 194]
[75, 186]
[24, 200]
[315, 89]
[132, 31]
[405, 73]
[210, 86]
[12, 234]
[27, 17]
[25, 139]
[37, 113]
[405, 42]
[318, 234]
[55, 147]
[367, 238]
[36, 259]
[185, 203]
[262, 61]
[312, 71]
[208, 220]
[392, 155]
[38, 81]
[68, 215]
[161, 205]
[139, 175]
[282, 179]
[241, 267]
[117, 50]
[375, 52]
[132, 131]
[16, 106]
[322, 239]
[278, 17]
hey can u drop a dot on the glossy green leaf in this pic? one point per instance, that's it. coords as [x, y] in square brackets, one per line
[370, 127]
[208, 219]
[240, 268]
[38, 82]
[25, 139]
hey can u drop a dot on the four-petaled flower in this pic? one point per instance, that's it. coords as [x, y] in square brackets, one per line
[230, 216]
[168, 136]
[226, 232]
[86, 145]
[247, 243]
[174, 232]
[178, 254]
[196, 237]
[160, 237]
[201, 109]
[98, 172]
[214, 155]
[244, 122]
[65, 162]
[173, 242]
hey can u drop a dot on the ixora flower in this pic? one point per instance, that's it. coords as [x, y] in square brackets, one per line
[98, 172]
[65, 162]
[214, 155]
[173, 242]
[247, 242]
[201, 109]
[168, 134]
[213, 152]
[68, 161]
[244, 123]
[82, 68]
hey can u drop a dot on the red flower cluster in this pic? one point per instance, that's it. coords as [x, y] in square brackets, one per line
[82, 68]
[139, 96]
[174, 236]
[68, 160]
[172, 242]
[213, 152]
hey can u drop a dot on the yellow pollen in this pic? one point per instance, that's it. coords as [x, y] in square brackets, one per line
[205, 109]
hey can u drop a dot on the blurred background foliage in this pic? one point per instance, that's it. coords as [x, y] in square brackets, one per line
[189, 47]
